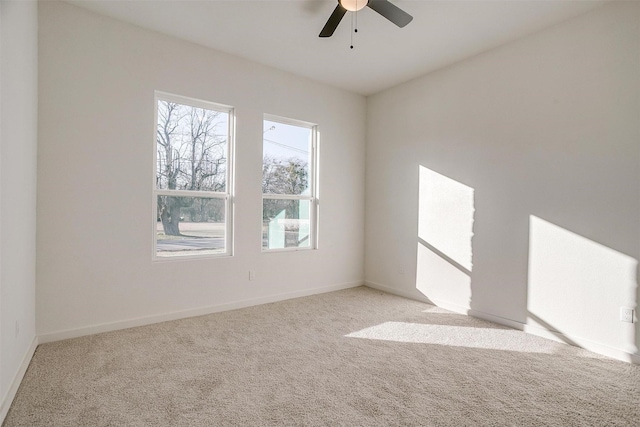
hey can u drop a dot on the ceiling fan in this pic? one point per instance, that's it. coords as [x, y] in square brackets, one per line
[385, 8]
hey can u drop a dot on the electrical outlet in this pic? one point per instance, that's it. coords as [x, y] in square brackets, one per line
[252, 275]
[626, 314]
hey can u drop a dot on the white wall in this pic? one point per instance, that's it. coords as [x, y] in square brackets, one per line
[95, 269]
[18, 145]
[543, 133]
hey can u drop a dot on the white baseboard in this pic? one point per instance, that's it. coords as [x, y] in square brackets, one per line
[595, 347]
[497, 319]
[17, 379]
[148, 320]
[415, 295]
[605, 350]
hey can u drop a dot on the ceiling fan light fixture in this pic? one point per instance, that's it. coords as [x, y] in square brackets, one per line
[353, 5]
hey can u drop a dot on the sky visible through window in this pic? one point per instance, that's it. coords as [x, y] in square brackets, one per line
[283, 141]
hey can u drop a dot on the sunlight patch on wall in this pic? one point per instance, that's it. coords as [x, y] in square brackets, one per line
[460, 336]
[445, 231]
[439, 280]
[576, 286]
[445, 216]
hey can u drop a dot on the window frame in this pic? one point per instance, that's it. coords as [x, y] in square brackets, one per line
[227, 196]
[313, 187]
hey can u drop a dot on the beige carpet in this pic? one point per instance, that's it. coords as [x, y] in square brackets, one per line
[351, 358]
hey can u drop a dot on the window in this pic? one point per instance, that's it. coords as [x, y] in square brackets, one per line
[289, 188]
[193, 177]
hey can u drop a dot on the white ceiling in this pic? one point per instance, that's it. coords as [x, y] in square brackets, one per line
[284, 33]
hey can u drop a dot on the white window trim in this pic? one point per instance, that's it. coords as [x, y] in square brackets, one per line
[228, 196]
[313, 197]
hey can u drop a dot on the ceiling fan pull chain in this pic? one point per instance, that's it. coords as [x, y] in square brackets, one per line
[352, 18]
[354, 29]
[356, 12]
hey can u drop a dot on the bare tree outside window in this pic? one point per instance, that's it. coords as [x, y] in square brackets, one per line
[192, 150]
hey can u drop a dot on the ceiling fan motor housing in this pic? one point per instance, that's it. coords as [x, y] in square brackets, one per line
[353, 5]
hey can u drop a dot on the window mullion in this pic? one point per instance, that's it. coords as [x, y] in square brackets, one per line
[193, 193]
[286, 197]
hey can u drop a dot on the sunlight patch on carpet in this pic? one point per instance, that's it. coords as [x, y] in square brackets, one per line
[458, 336]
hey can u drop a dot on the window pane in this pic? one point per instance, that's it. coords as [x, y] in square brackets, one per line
[192, 148]
[286, 224]
[286, 159]
[190, 226]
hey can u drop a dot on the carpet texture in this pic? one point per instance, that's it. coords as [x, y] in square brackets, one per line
[357, 357]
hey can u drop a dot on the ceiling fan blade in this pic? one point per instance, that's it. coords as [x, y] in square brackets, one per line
[390, 11]
[333, 21]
